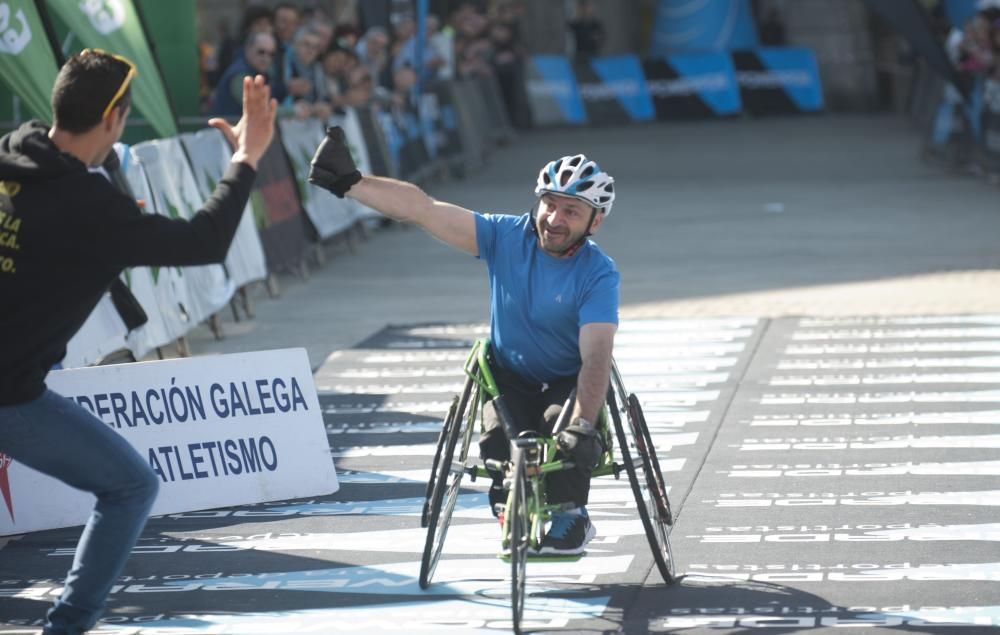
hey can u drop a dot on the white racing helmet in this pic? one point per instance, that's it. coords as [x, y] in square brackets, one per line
[579, 177]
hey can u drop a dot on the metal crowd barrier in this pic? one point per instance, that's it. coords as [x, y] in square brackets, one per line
[451, 128]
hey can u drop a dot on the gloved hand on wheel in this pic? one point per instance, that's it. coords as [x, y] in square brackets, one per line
[580, 441]
[332, 167]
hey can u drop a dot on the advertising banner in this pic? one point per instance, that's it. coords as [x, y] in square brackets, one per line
[27, 64]
[162, 291]
[702, 25]
[174, 41]
[210, 157]
[552, 91]
[176, 193]
[329, 214]
[351, 124]
[693, 85]
[103, 333]
[778, 80]
[217, 431]
[960, 11]
[614, 90]
[113, 25]
[277, 209]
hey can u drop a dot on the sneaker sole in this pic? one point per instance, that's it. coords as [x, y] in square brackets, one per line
[552, 551]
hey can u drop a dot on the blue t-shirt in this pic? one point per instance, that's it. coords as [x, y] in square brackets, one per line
[540, 302]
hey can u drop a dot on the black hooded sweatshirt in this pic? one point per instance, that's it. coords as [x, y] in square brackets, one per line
[66, 234]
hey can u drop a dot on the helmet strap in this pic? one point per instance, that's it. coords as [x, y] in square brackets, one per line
[583, 239]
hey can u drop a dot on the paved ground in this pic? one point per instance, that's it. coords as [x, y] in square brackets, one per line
[827, 471]
[811, 216]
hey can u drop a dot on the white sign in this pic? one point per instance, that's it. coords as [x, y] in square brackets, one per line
[210, 156]
[329, 214]
[218, 431]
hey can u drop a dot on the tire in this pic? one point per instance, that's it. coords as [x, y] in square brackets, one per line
[446, 430]
[519, 523]
[456, 437]
[638, 454]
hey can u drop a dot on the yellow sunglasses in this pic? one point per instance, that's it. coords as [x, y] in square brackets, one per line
[132, 72]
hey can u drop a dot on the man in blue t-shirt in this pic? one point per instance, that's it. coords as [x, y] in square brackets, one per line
[554, 309]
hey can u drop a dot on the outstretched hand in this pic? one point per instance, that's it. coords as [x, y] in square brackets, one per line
[332, 167]
[252, 134]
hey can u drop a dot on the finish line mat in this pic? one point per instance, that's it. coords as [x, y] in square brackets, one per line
[826, 474]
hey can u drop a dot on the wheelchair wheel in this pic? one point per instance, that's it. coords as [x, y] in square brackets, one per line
[449, 424]
[639, 456]
[518, 521]
[456, 437]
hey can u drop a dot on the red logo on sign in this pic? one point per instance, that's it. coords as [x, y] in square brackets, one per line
[5, 462]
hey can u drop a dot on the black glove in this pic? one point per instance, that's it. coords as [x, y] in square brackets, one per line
[580, 441]
[332, 166]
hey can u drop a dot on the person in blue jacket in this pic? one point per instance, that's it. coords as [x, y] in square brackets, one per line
[257, 59]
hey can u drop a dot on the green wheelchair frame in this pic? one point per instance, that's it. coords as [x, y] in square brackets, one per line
[532, 458]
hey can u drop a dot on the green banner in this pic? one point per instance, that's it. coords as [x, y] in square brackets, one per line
[170, 27]
[113, 25]
[27, 64]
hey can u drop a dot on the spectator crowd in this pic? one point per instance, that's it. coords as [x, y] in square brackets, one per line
[966, 128]
[316, 64]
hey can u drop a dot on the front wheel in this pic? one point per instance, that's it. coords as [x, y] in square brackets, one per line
[518, 522]
[639, 457]
[446, 430]
[449, 467]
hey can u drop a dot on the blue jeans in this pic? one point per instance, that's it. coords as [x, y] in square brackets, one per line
[57, 437]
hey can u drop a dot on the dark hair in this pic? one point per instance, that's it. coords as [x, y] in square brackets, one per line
[84, 87]
[336, 48]
[345, 28]
[252, 14]
[251, 38]
[288, 5]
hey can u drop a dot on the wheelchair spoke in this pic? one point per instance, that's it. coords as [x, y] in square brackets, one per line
[444, 489]
[638, 456]
[520, 537]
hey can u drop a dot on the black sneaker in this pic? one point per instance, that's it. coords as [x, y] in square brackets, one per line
[568, 535]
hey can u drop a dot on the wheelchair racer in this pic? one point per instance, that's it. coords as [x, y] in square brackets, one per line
[554, 309]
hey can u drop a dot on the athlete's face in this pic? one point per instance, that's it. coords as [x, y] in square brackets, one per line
[562, 221]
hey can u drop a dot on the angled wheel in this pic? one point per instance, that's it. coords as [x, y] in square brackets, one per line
[450, 463]
[518, 522]
[450, 422]
[638, 453]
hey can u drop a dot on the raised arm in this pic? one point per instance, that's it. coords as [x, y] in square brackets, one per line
[127, 238]
[333, 169]
[407, 203]
[252, 134]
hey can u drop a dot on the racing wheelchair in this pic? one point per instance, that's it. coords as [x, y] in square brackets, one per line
[532, 458]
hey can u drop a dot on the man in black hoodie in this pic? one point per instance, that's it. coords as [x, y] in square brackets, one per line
[65, 235]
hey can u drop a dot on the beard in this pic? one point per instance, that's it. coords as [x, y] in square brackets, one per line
[556, 241]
